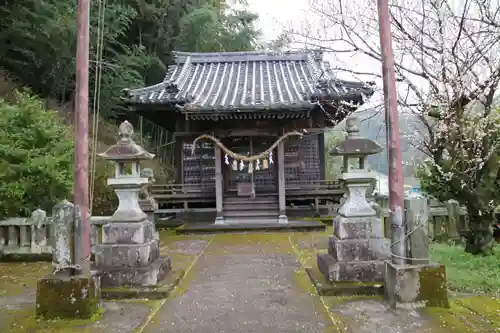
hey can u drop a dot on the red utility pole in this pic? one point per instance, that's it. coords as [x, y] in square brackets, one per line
[396, 192]
[81, 188]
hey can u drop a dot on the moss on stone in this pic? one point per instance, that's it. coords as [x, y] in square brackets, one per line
[433, 286]
[75, 297]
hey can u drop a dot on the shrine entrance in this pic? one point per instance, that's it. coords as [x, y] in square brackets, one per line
[242, 181]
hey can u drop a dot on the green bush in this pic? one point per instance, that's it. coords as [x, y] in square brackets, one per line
[36, 157]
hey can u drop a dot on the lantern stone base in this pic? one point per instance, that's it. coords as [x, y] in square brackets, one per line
[70, 297]
[130, 255]
[362, 271]
[358, 253]
[145, 276]
[127, 255]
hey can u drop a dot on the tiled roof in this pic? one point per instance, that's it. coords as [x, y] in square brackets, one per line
[249, 81]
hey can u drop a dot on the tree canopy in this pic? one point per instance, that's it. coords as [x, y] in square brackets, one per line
[138, 37]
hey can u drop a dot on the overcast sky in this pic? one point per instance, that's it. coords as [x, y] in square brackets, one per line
[275, 14]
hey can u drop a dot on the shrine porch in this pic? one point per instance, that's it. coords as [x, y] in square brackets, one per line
[195, 204]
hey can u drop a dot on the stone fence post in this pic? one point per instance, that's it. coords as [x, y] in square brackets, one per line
[453, 208]
[63, 255]
[417, 229]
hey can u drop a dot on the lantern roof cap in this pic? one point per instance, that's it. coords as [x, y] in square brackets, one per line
[126, 149]
[354, 144]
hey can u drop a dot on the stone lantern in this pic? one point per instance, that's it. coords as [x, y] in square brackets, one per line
[357, 250]
[129, 253]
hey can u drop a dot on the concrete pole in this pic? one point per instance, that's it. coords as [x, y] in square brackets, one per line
[81, 188]
[396, 191]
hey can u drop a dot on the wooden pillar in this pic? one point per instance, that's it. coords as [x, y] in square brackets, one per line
[219, 199]
[322, 157]
[281, 183]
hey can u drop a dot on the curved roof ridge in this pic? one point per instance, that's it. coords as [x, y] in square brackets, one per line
[237, 53]
[297, 55]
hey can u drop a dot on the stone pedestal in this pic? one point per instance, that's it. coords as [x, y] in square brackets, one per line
[416, 281]
[416, 285]
[357, 251]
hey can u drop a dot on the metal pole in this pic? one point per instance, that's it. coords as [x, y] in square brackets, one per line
[81, 188]
[396, 196]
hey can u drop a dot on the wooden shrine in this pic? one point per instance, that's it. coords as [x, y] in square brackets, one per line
[242, 103]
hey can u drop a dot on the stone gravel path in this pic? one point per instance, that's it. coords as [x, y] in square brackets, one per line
[243, 288]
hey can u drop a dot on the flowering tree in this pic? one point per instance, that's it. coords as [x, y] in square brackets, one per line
[448, 67]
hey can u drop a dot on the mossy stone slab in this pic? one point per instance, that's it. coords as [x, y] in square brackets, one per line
[72, 297]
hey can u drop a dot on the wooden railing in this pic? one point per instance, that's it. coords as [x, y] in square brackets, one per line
[166, 191]
[173, 191]
[30, 236]
[314, 185]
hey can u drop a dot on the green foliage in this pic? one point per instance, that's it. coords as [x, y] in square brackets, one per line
[333, 164]
[468, 273]
[36, 157]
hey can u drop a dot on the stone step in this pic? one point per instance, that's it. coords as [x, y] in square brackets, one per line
[251, 213]
[249, 200]
[274, 206]
[251, 220]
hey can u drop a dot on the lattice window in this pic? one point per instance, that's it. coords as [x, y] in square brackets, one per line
[292, 161]
[200, 167]
[302, 163]
[309, 149]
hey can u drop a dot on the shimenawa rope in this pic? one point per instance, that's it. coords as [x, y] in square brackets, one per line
[240, 157]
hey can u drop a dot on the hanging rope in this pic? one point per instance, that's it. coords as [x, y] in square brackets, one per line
[97, 98]
[244, 158]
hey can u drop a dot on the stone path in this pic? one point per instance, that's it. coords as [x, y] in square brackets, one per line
[245, 287]
[240, 283]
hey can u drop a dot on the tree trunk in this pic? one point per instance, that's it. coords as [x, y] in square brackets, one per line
[479, 239]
